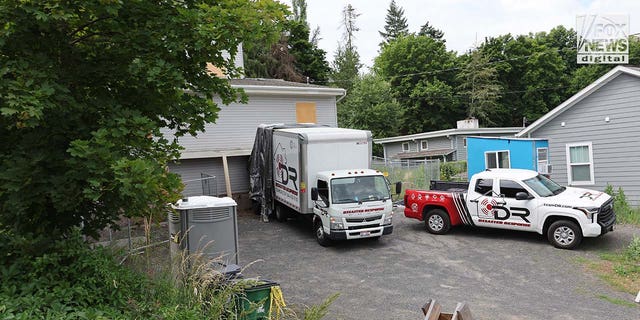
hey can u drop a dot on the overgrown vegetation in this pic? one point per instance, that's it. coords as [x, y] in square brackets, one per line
[621, 270]
[624, 212]
[73, 281]
[453, 171]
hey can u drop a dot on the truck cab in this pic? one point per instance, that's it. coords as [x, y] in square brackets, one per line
[351, 204]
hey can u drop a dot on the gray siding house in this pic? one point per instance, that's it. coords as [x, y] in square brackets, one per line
[445, 145]
[230, 139]
[594, 136]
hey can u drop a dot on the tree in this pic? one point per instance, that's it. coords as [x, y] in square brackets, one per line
[481, 89]
[430, 31]
[395, 24]
[371, 106]
[87, 85]
[294, 57]
[419, 70]
[346, 63]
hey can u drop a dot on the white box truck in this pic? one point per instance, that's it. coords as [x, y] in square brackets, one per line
[325, 173]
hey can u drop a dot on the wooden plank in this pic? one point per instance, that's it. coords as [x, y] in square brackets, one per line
[425, 307]
[462, 312]
[227, 181]
[433, 313]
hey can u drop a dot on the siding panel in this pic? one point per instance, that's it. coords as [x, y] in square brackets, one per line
[616, 149]
[236, 125]
[190, 170]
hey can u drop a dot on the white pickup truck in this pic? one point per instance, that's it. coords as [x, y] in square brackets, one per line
[518, 200]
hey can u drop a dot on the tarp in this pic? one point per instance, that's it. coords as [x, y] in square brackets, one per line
[261, 190]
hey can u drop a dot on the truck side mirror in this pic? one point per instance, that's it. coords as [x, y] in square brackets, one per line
[398, 187]
[523, 196]
[314, 194]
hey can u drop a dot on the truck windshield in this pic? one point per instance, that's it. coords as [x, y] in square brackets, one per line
[359, 189]
[544, 186]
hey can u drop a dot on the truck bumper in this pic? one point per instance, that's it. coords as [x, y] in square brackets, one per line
[360, 234]
[596, 229]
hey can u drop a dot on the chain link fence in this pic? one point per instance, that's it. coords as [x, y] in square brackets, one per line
[414, 174]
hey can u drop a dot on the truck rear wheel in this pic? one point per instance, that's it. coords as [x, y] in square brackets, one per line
[437, 221]
[321, 236]
[564, 234]
[281, 213]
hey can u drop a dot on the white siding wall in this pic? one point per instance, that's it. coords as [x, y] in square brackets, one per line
[616, 145]
[234, 131]
[192, 168]
[236, 125]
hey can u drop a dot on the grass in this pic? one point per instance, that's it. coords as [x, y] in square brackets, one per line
[621, 270]
[617, 301]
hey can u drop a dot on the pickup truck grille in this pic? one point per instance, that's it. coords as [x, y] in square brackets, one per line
[606, 215]
[364, 226]
[360, 220]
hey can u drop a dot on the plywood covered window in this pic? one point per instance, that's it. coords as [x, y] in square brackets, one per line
[306, 112]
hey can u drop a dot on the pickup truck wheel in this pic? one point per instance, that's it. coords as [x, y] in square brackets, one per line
[437, 221]
[564, 234]
[321, 236]
[281, 213]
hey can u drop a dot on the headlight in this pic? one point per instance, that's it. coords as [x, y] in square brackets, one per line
[336, 224]
[388, 219]
[588, 211]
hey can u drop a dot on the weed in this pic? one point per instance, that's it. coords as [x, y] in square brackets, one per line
[617, 301]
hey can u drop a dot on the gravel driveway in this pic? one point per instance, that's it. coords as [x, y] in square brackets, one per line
[500, 274]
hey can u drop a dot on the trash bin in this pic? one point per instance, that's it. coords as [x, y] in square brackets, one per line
[255, 301]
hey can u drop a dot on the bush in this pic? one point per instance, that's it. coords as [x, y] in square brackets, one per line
[451, 171]
[624, 212]
[67, 279]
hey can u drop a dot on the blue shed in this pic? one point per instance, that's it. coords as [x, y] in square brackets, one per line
[517, 153]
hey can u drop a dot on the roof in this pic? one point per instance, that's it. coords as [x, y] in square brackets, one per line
[515, 174]
[423, 154]
[612, 74]
[450, 132]
[276, 86]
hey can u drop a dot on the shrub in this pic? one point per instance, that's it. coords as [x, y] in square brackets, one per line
[624, 212]
[451, 170]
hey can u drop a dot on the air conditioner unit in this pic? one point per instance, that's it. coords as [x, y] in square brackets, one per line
[206, 225]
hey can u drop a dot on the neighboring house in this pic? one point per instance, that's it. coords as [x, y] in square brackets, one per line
[516, 153]
[230, 138]
[594, 135]
[445, 145]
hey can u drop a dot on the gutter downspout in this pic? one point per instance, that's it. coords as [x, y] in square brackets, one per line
[342, 97]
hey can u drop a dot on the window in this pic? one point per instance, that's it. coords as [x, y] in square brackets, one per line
[580, 163]
[484, 186]
[497, 159]
[306, 112]
[509, 188]
[323, 190]
[464, 142]
[405, 146]
[424, 145]
[543, 160]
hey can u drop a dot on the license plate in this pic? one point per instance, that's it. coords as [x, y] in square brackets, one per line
[365, 233]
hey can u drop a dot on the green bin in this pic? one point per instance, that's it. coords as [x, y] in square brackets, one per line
[255, 302]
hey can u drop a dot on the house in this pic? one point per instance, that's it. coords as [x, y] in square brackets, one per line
[228, 141]
[446, 145]
[517, 153]
[593, 136]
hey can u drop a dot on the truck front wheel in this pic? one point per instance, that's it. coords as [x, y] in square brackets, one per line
[321, 236]
[437, 221]
[564, 234]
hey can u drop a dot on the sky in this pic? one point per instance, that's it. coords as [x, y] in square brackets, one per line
[464, 22]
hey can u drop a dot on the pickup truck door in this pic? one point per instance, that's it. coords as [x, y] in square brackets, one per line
[481, 201]
[516, 214]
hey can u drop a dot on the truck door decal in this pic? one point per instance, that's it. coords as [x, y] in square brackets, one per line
[461, 206]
